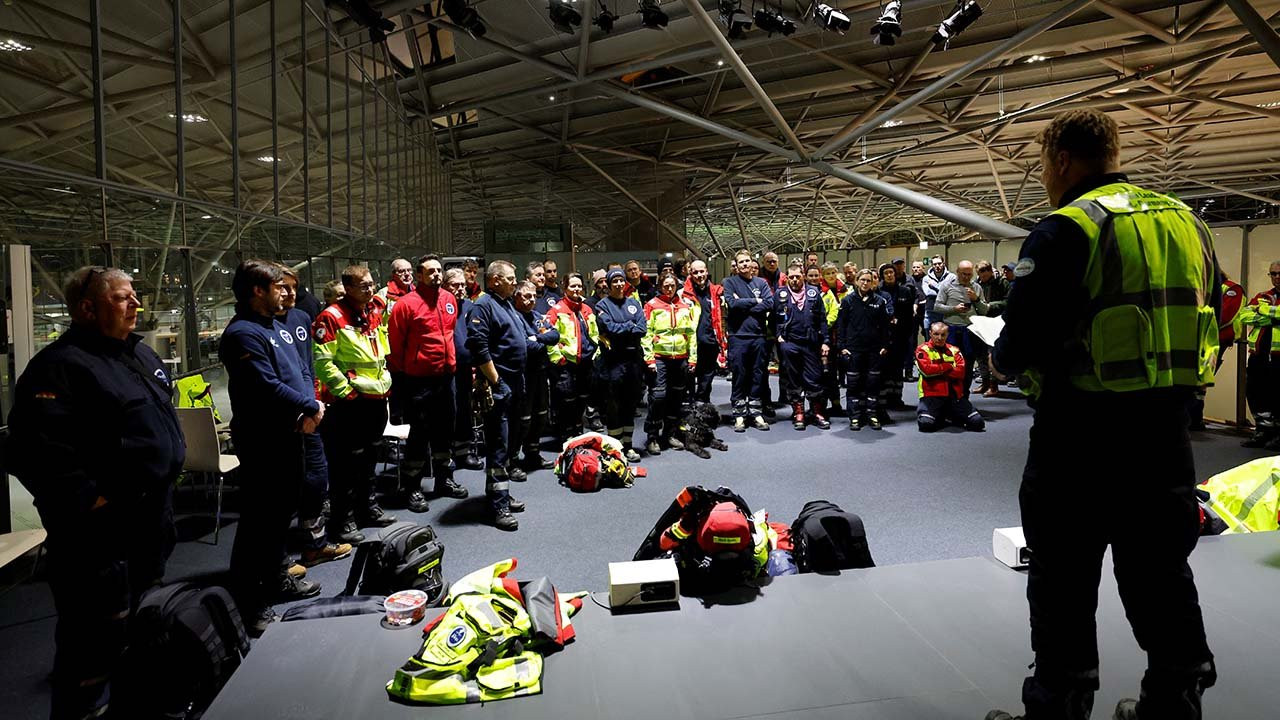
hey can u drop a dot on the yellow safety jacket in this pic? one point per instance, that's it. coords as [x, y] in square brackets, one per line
[831, 304]
[193, 391]
[469, 655]
[351, 349]
[565, 321]
[1149, 279]
[673, 330]
[1261, 314]
[1247, 498]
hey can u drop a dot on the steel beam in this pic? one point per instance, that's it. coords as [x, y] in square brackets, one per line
[1233, 191]
[1259, 28]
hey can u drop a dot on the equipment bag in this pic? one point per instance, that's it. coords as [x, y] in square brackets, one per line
[184, 644]
[591, 461]
[340, 606]
[404, 556]
[827, 538]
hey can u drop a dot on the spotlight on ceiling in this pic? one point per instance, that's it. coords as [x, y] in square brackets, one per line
[564, 15]
[961, 17]
[366, 16]
[11, 45]
[735, 19]
[605, 19]
[464, 16]
[651, 16]
[831, 19]
[772, 22]
[888, 28]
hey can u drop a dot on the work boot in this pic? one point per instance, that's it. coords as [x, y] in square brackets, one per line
[322, 554]
[296, 588]
[797, 415]
[416, 502]
[504, 520]
[652, 447]
[630, 454]
[855, 423]
[514, 505]
[1126, 709]
[470, 461]
[674, 442]
[768, 411]
[448, 487]
[348, 533]
[1259, 438]
[533, 460]
[759, 423]
[257, 622]
[739, 424]
[515, 474]
[874, 422]
[376, 517]
[699, 451]
[297, 570]
[819, 418]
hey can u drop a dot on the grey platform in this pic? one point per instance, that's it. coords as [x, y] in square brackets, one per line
[935, 640]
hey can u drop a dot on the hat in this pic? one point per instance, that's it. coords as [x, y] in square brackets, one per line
[726, 529]
[899, 260]
[1008, 266]
[614, 273]
[597, 276]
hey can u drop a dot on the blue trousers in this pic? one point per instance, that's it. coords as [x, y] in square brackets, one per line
[668, 396]
[802, 363]
[314, 491]
[496, 424]
[750, 368]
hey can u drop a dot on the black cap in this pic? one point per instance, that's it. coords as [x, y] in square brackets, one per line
[899, 260]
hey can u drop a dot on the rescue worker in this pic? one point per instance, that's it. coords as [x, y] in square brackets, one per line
[959, 299]
[471, 268]
[537, 276]
[599, 288]
[709, 298]
[750, 301]
[422, 359]
[533, 410]
[1104, 389]
[1262, 373]
[831, 280]
[620, 320]
[1228, 330]
[401, 283]
[861, 333]
[639, 286]
[551, 272]
[850, 271]
[933, 279]
[671, 355]
[995, 289]
[777, 279]
[351, 365]
[572, 358]
[496, 339]
[464, 414]
[920, 317]
[833, 291]
[942, 398]
[801, 321]
[902, 299]
[95, 440]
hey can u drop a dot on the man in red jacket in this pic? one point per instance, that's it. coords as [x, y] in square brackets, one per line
[422, 361]
[942, 397]
[708, 297]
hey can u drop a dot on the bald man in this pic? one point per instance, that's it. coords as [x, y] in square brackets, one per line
[959, 299]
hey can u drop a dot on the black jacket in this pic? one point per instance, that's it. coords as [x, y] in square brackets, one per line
[808, 326]
[497, 333]
[862, 323]
[93, 416]
[902, 300]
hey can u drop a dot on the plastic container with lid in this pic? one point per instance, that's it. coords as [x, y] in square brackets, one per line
[405, 607]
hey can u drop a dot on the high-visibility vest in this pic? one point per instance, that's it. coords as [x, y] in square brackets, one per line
[1149, 278]
[831, 304]
[1247, 498]
[1262, 313]
[192, 391]
[565, 322]
[350, 356]
[673, 329]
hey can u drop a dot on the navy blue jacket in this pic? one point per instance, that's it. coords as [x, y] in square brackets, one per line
[298, 322]
[706, 333]
[538, 337]
[460, 333]
[545, 299]
[747, 318]
[808, 326]
[497, 333]
[622, 325]
[863, 323]
[902, 299]
[93, 416]
[269, 390]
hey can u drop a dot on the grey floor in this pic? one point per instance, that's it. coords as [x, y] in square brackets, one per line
[923, 498]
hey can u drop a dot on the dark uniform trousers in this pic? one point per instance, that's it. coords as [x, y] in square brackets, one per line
[709, 355]
[98, 566]
[1262, 383]
[668, 396]
[464, 416]
[862, 381]
[428, 406]
[961, 337]
[750, 368]
[619, 381]
[892, 369]
[1150, 519]
[496, 438]
[527, 433]
[271, 476]
[571, 389]
[802, 366]
[351, 430]
[314, 491]
[933, 413]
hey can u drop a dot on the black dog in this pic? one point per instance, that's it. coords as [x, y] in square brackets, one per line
[697, 430]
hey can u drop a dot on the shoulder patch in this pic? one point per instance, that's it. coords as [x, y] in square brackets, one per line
[319, 332]
[1025, 267]
[46, 396]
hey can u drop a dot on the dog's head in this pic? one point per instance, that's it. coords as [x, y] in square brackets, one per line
[706, 413]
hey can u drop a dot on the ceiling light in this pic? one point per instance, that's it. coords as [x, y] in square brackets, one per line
[888, 28]
[720, 63]
[772, 22]
[891, 123]
[651, 16]
[206, 217]
[564, 15]
[1270, 105]
[831, 19]
[11, 45]
[961, 17]
[605, 19]
[266, 158]
[1035, 59]
[924, 244]
[65, 190]
[1118, 91]
[551, 98]
[464, 16]
[190, 117]
[735, 19]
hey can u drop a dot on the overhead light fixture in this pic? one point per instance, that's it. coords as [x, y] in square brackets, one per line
[1035, 59]
[65, 190]
[888, 28]
[564, 15]
[190, 117]
[367, 17]
[1267, 106]
[1119, 91]
[961, 17]
[206, 217]
[891, 123]
[551, 98]
[605, 19]
[772, 22]
[11, 45]
[736, 20]
[266, 158]
[924, 244]
[831, 19]
[464, 16]
[720, 63]
[651, 15]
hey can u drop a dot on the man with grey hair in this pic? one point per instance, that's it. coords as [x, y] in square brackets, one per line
[959, 299]
[401, 283]
[96, 441]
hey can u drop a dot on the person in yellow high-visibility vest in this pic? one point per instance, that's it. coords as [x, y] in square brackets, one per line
[671, 353]
[1112, 322]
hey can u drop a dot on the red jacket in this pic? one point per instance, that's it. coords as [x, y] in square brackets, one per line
[1232, 299]
[421, 333]
[396, 291]
[942, 376]
[717, 316]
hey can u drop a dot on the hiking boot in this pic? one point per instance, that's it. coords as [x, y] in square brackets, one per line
[504, 520]
[323, 554]
[348, 533]
[448, 487]
[874, 422]
[630, 454]
[652, 447]
[855, 424]
[256, 623]
[295, 588]
[817, 414]
[768, 411]
[674, 443]
[758, 422]
[1126, 709]
[515, 506]
[739, 424]
[797, 416]
[1002, 715]
[416, 502]
[470, 461]
[376, 517]
[297, 570]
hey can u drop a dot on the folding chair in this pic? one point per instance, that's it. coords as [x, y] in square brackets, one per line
[204, 453]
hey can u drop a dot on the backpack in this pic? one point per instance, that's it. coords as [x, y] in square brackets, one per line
[184, 644]
[827, 538]
[404, 556]
[592, 461]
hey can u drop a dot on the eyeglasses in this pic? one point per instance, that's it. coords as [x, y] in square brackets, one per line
[367, 285]
[1274, 274]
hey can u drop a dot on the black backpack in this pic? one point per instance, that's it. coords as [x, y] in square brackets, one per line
[827, 538]
[184, 644]
[404, 556]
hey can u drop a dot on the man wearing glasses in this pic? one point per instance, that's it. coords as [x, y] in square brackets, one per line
[1262, 378]
[350, 350]
[96, 441]
[401, 283]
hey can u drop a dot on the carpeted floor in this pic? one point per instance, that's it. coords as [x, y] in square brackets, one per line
[922, 497]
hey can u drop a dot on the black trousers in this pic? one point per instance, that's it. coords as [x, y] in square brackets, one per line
[960, 336]
[862, 381]
[571, 393]
[351, 431]
[750, 367]
[802, 366]
[99, 564]
[497, 438]
[531, 416]
[619, 381]
[708, 364]
[314, 490]
[1262, 383]
[668, 395]
[933, 413]
[1151, 521]
[464, 416]
[428, 406]
[271, 472]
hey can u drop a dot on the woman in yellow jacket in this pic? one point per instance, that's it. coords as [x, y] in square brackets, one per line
[670, 351]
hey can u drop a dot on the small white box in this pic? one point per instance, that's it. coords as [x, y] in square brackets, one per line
[1010, 547]
[641, 583]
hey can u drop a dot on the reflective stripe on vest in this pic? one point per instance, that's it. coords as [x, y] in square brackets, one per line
[353, 353]
[1247, 497]
[1148, 278]
[569, 347]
